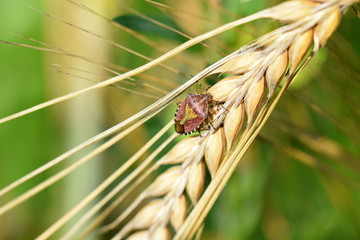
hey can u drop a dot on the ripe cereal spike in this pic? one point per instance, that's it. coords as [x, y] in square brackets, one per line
[214, 151]
[162, 208]
[178, 212]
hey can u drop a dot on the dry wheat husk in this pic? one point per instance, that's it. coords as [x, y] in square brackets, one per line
[257, 69]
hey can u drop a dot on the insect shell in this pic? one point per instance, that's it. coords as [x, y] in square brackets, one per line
[192, 114]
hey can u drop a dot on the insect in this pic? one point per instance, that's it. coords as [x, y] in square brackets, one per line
[193, 113]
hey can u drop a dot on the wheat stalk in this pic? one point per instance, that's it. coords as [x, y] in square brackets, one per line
[258, 67]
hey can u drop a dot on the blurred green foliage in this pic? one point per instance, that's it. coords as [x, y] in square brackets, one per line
[25, 143]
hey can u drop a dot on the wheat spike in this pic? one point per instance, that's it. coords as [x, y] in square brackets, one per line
[259, 68]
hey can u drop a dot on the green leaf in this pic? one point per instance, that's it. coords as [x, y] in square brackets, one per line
[144, 26]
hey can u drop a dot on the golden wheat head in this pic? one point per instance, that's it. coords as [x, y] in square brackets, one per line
[256, 69]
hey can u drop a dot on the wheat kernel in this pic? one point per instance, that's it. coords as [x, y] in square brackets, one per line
[178, 212]
[253, 98]
[181, 151]
[298, 49]
[325, 29]
[222, 89]
[233, 123]
[146, 216]
[161, 233]
[140, 235]
[164, 183]
[214, 151]
[196, 181]
[291, 11]
[238, 64]
[275, 72]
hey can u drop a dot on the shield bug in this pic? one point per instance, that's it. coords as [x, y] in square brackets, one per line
[192, 114]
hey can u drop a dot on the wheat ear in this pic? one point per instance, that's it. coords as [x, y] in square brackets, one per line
[257, 70]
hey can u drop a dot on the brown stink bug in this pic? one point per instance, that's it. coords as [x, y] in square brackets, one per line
[192, 114]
